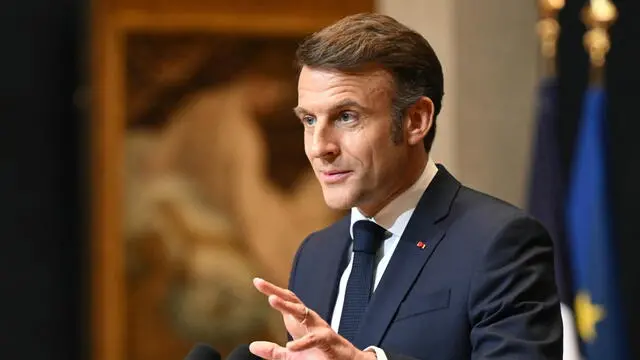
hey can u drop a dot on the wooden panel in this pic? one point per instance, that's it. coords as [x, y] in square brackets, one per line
[108, 284]
[309, 9]
[277, 24]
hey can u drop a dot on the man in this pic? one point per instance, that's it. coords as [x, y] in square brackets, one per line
[423, 267]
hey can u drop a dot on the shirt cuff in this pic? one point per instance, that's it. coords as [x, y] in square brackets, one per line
[379, 352]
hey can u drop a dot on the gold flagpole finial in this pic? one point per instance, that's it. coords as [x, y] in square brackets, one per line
[548, 30]
[598, 16]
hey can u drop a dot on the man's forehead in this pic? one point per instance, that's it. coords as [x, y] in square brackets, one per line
[327, 76]
[330, 88]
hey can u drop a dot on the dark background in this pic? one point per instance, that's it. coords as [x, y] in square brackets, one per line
[44, 180]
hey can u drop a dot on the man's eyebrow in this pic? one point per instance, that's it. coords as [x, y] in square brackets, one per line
[299, 111]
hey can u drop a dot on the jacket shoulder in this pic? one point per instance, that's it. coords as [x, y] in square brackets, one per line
[484, 212]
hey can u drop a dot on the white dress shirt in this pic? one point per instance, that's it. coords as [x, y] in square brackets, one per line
[394, 217]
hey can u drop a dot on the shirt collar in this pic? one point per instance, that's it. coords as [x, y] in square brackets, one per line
[395, 216]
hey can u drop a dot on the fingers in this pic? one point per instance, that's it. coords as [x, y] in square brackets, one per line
[272, 351]
[308, 341]
[313, 337]
[298, 310]
[268, 289]
[267, 350]
[283, 300]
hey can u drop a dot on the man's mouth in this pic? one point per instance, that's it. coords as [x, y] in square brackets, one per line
[334, 176]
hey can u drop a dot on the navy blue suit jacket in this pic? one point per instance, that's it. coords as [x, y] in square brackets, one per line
[482, 288]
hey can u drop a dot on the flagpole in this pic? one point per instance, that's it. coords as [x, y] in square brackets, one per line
[548, 30]
[598, 16]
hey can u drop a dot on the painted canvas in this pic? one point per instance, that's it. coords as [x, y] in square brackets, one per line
[217, 188]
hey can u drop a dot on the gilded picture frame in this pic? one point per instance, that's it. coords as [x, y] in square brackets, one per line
[209, 96]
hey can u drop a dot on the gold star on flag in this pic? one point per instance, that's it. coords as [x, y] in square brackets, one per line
[587, 316]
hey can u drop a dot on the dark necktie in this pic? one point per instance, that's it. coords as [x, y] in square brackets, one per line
[367, 237]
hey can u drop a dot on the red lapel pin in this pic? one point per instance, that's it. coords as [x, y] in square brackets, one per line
[421, 245]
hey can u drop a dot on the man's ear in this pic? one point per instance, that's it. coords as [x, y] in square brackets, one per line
[419, 120]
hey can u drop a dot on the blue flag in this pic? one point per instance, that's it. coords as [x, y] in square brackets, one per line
[546, 202]
[589, 234]
[546, 188]
[547, 185]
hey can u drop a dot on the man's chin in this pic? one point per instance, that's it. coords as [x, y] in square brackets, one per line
[338, 200]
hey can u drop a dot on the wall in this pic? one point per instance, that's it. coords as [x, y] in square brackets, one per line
[489, 54]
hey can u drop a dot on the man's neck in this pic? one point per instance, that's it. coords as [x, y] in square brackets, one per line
[395, 215]
[412, 175]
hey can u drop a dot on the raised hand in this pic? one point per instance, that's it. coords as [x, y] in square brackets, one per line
[313, 338]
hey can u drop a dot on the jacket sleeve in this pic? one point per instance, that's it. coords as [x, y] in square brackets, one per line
[513, 307]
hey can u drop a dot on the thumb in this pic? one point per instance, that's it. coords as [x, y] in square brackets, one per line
[266, 350]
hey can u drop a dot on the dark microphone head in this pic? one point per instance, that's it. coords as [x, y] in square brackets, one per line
[242, 353]
[203, 352]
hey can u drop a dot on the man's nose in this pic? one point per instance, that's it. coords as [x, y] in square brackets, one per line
[324, 144]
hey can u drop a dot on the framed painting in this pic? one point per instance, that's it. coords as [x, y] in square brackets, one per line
[201, 182]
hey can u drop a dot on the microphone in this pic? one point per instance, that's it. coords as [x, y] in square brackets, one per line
[203, 352]
[242, 353]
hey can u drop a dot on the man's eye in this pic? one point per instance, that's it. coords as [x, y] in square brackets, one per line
[347, 116]
[308, 120]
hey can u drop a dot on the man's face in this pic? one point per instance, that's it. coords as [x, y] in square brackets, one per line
[347, 137]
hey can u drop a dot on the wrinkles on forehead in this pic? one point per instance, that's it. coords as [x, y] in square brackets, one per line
[321, 90]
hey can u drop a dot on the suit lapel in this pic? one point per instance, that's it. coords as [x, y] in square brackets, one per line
[409, 258]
